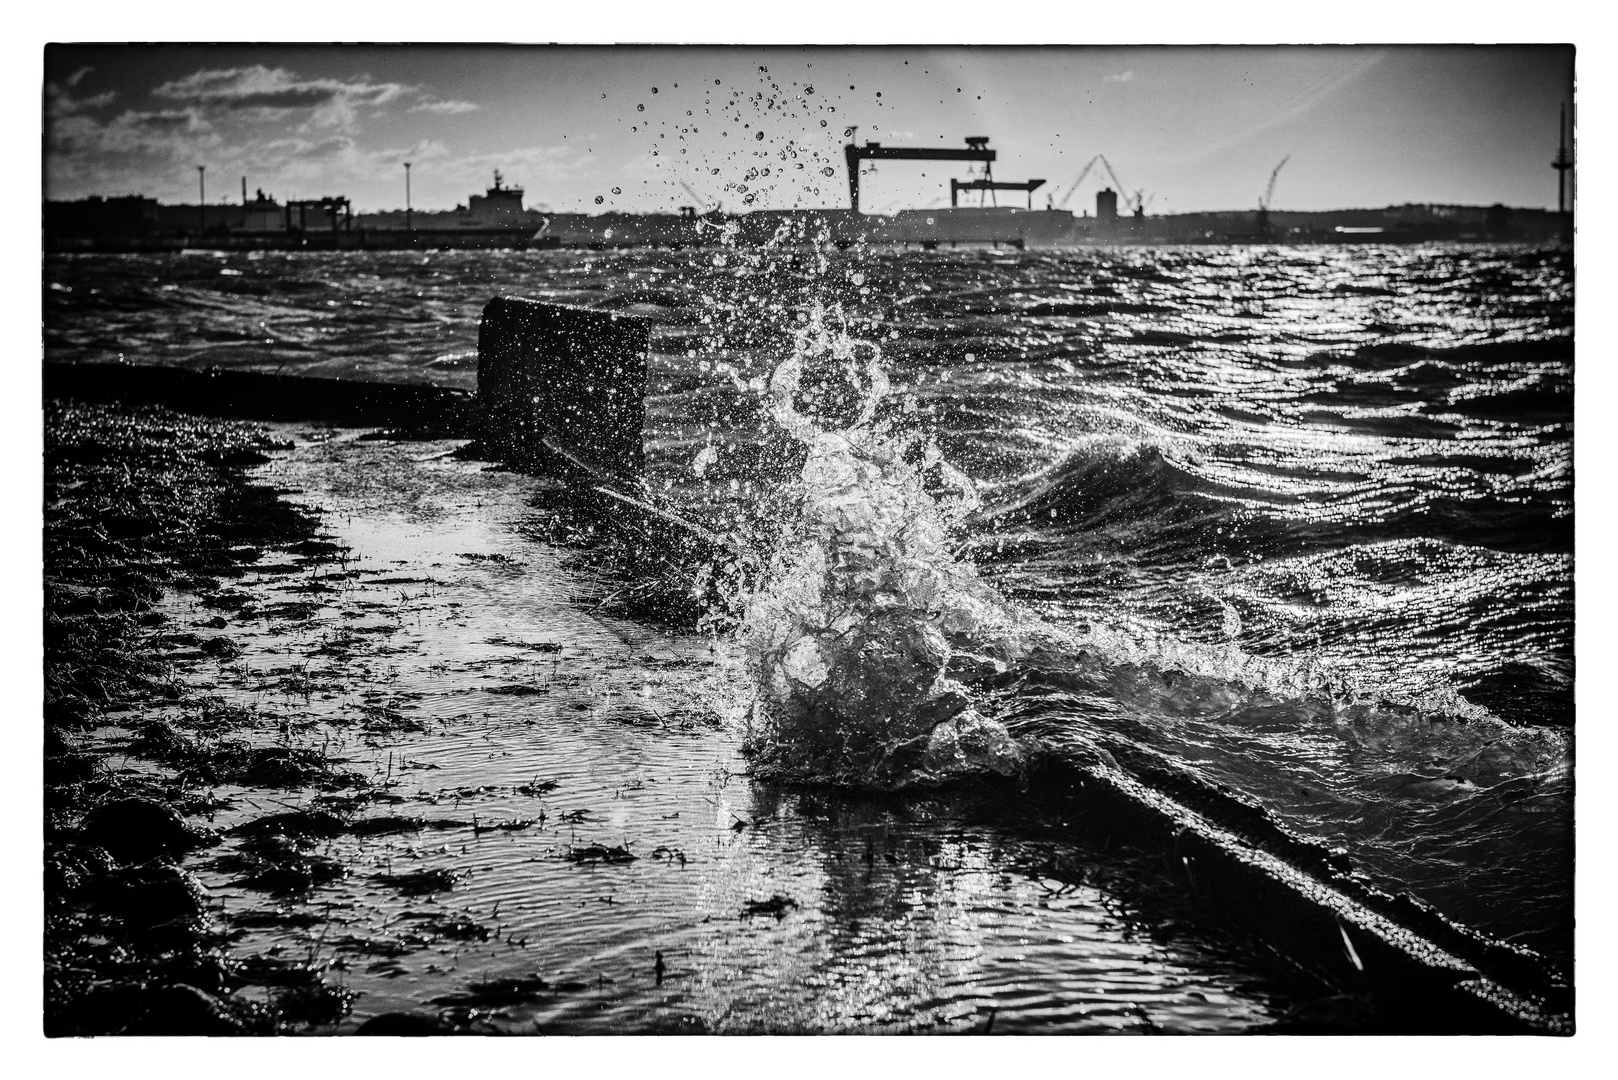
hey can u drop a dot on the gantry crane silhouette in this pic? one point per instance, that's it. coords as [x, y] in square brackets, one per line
[977, 149]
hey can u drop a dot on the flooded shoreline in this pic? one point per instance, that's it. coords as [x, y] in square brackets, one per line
[515, 814]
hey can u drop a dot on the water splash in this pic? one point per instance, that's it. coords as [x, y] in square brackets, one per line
[851, 631]
[867, 637]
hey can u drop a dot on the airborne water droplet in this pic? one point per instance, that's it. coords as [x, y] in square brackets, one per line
[758, 136]
[654, 89]
[640, 108]
[600, 199]
[617, 191]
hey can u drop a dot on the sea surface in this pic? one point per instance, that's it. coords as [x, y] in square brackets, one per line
[1301, 518]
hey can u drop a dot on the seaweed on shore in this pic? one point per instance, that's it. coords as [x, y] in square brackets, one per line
[139, 500]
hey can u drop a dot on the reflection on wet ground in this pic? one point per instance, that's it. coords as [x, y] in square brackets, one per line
[558, 835]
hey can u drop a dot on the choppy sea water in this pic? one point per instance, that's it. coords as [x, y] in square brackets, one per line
[1303, 516]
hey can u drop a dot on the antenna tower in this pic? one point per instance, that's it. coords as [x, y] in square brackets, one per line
[1563, 162]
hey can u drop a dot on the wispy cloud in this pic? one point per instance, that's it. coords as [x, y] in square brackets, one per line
[445, 108]
[169, 134]
[58, 102]
[277, 91]
[85, 153]
[1126, 76]
[301, 133]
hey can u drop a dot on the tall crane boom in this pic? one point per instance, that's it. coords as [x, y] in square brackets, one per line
[1269, 190]
[1062, 204]
[702, 204]
[977, 149]
[1132, 203]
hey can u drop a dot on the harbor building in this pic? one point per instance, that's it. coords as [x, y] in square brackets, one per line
[1106, 211]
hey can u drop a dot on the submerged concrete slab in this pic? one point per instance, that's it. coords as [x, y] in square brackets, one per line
[563, 388]
[1415, 970]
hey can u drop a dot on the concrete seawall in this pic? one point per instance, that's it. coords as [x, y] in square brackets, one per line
[562, 388]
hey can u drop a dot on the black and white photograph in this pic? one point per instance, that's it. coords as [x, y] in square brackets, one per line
[805, 539]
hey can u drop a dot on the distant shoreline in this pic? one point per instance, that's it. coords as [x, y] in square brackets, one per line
[115, 225]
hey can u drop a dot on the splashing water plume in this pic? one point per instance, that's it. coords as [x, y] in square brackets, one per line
[851, 632]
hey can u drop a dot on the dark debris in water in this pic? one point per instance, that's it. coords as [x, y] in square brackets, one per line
[536, 787]
[390, 947]
[279, 865]
[599, 853]
[392, 825]
[419, 882]
[212, 760]
[276, 919]
[777, 905]
[509, 825]
[448, 925]
[535, 646]
[294, 823]
[494, 557]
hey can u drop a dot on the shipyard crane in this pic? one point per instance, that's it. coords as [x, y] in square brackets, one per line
[1133, 204]
[977, 149]
[700, 201]
[958, 186]
[1269, 190]
[1062, 203]
[1263, 221]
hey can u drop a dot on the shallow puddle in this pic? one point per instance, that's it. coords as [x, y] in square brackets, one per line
[564, 835]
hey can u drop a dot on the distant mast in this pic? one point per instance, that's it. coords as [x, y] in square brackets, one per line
[1563, 162]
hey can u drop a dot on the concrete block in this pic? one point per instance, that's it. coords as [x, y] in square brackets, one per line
[563, 388]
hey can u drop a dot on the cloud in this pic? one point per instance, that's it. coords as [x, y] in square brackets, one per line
[446, 108]
[277, 91]
[58, 102]
[327, 149]
[170, 134]
[87, 155]
[73, 79]
[1127, 76]
[293, 134]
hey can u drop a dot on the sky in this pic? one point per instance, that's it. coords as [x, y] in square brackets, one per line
[650, 128]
